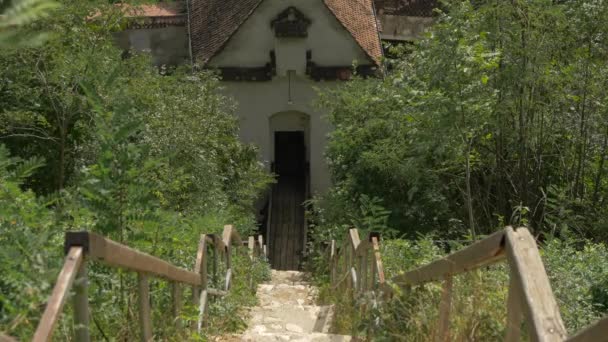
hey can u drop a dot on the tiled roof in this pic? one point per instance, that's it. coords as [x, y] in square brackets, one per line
[155, 10]
[153, 15]
[213, 22]
[359, 19]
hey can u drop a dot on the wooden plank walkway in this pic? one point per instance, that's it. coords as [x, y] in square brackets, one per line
[287, 223]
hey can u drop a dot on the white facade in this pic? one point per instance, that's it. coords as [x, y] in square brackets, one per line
[288, 101]
[403, 28]
[166, 45]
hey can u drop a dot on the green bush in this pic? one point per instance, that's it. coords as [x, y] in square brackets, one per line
[149, 158]
[495, 116]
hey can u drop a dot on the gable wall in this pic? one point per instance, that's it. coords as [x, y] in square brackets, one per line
[330, 42]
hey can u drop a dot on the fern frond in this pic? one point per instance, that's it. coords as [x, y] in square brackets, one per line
[21, 13]
[24, 12]
[26, 169]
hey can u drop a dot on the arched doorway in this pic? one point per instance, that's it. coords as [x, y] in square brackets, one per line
[286, 229]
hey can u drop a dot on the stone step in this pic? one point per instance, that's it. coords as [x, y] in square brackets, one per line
[299, 319]
[287, 312]
[289, 277]
[310, 337]
[284, 294]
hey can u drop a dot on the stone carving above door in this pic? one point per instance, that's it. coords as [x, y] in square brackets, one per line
[291, 23]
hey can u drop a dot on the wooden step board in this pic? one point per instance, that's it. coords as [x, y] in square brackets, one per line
[287, 223]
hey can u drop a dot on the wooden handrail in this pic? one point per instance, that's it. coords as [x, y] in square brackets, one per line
[73, 261]
[6, 338]
[594, 333]
[479, 254]
[82, 246]
[112, 253]
[530, 296]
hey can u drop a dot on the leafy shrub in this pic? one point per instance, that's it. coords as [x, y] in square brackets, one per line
[476, 127]
[150, 159]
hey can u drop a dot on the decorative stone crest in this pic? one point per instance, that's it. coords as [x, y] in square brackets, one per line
[291, 23]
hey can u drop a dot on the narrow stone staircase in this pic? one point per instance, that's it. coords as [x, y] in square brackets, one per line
[287, 312]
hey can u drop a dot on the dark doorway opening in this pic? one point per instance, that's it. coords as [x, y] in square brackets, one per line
[289, 154]
[287, 221]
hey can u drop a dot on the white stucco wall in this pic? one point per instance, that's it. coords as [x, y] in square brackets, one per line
[166, 45]
[331, 45]
[403, 28]
[258, 102]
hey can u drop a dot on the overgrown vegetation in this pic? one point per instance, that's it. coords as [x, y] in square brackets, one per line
[144, 156]
[496, 117]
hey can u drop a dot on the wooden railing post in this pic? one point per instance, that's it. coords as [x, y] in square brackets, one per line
[332, 262]
[201, 269]
[514, 312]
[227, 239]
[202, 308]
[344, 264]
[354, 242]
[542, 315]
[252, 254]
[363, 270]
[200, 255]
[443, 333]
[215, 261]
[377, 261]
[81, 305]
[176, 293]
[73, 260]
[262, 246]
[251, 247]
[145, 318]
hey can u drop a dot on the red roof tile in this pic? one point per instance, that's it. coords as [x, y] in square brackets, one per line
[213, 22]
[155, 10]
[359, 19]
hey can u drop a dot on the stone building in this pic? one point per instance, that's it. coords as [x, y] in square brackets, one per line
[273, 56]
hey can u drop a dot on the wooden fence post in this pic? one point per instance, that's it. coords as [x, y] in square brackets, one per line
[202, 310]
[176, 293]
[251, 247]
[364, 266]
[348, 264]
[65, 280]
[81, 305]
[215, 260]
[332, 262]
[262, 246]
[353, 260]
[443, 333]
[145, 319]
[514, 311]
[540, 308]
